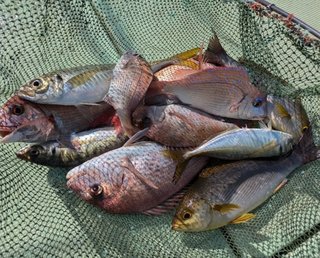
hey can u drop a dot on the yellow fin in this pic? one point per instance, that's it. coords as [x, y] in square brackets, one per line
[190, 64]
[187, 54]
[243, 218]
[282, 111]
[224, 208]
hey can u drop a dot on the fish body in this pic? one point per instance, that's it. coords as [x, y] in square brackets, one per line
[245, 143]
[131, 78]
[178, 126]
[89, 144]
[226, 193]
[74, 86]
[131, 179]
[17, 112]
[288, 116]
[223, 91]
[23, 121]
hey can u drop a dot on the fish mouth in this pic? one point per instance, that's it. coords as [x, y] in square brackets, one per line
[25, 93]
[178, 225]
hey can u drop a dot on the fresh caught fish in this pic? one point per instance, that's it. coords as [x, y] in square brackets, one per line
[131, 179]
[16, 112]
[223, 91]
[225, 194]
[89, 144]
[245, 143]
[288, 116]
[131, 78]
[178, 126]
[38, 130]
[24, 121]
[74, 86]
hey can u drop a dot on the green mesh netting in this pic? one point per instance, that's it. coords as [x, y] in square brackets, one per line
[40, 217]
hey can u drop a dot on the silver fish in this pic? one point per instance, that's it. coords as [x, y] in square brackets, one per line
[245, 143]
[74, 86]
[226, 193]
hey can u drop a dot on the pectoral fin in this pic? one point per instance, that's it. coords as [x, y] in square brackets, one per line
[243, 218]
[225, 208]
[128, 164]
[282, 184]
[136, 137]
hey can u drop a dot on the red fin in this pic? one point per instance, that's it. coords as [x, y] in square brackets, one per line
[167, 205]
[117, 124]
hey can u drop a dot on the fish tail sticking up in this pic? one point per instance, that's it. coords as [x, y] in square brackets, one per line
[307, 148]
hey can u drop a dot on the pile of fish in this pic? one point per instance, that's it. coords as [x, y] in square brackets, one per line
[190, 132]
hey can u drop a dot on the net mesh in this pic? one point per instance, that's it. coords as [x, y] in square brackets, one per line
[40, 217]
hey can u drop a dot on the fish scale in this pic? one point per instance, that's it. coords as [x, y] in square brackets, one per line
[184, 126]
[225, 193]
[147, 169]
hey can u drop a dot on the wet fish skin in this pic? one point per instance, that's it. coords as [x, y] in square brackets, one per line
[16, 112]
[89, 144]
[245, 143]
[223, 91]
[131, 179]
[178, 126]
[224, 193]
[131, 78]
[288, 116]
[74, 86]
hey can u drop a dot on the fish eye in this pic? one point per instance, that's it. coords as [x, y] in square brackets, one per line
[305, 128]
[36, 83]
[96, 190]
[186, 215]
[17, 110]
[257, 102]
[34, 152]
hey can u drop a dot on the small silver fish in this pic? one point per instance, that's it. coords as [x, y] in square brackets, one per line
[74, 86]
[88, 144]
[245, 143]
[225, 194]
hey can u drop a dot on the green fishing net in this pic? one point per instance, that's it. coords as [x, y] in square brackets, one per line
[40, 217]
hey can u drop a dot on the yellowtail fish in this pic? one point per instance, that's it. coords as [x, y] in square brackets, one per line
[225, 194]
[89, 144]
[74, 86]
[245, 143]
[288, 116]
[178, 126]
[135, 178]
[130, 80]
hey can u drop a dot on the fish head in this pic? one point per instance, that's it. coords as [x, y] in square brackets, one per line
[193, 214]
[43, 88]
[145, 116]
[90, 184]
[252, 107]
[17, 112]
[288, 116]
[37, 153]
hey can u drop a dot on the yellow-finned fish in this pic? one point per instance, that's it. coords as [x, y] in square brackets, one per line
[73, 86]
[288, 116]
[225, 194]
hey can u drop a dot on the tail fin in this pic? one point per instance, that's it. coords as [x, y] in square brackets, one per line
[307, 148]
